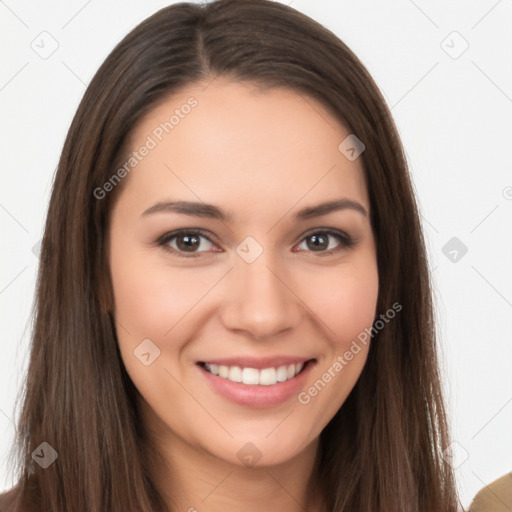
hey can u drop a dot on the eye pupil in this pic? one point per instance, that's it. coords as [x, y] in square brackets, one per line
[318, 242]
[187, 242]
[190, 242]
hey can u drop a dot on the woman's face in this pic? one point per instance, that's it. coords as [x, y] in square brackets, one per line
[261, 279]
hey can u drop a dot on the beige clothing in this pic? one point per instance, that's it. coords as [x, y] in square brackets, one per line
[496, 497]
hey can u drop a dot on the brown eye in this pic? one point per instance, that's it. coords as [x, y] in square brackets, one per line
[186, 243]
[325, 242]
[318, 242]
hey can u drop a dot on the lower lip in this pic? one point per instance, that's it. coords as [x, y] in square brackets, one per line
[257, 395]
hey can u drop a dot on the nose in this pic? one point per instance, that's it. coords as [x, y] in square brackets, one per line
[261, 302]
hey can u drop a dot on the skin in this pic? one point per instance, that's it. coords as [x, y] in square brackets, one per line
[260, 156]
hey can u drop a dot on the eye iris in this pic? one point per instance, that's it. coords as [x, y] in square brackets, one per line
[188, 242]
[318, 242]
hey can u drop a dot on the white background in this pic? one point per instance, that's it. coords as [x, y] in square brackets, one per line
[455, 119]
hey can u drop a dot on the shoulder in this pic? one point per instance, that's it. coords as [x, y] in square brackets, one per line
[495, 497]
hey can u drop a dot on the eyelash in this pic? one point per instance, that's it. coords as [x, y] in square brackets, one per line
[346, 241]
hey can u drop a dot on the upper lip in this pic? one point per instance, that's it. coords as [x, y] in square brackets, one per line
[257, 362]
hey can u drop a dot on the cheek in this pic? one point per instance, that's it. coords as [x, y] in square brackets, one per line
[150, 301]
[155, 302]
[346, 310]
[346, 300]
[151, 298]
[137, 294]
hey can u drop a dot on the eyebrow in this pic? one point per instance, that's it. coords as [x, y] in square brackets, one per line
[213, 212]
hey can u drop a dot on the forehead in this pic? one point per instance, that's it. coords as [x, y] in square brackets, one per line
[232, 144]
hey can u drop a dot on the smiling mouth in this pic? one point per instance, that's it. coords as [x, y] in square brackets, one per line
[254, 376]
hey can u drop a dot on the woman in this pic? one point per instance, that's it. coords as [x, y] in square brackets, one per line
[233, 307]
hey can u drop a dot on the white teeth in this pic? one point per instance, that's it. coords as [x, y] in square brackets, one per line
[253, 376]
[282, 374]
[214, 368]
[235, 374]
[250, 376]
[268, 376]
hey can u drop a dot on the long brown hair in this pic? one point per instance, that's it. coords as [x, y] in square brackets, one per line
[382, 451]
